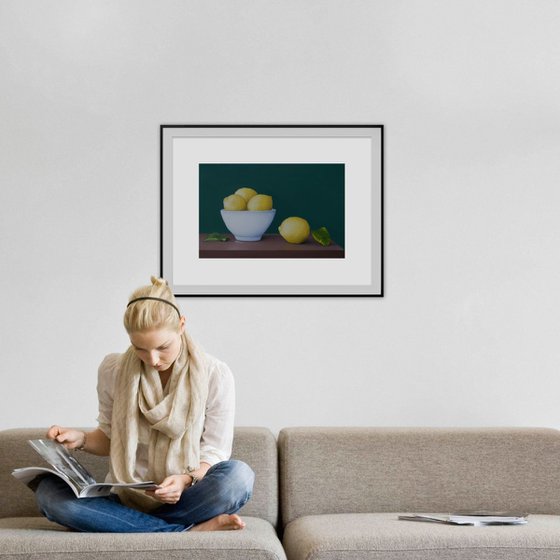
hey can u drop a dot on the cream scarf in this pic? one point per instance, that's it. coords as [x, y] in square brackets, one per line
[174, 419]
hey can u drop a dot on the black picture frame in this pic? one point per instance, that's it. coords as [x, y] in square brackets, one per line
[199, 163]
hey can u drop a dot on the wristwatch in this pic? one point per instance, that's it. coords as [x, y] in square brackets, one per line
[195, 478]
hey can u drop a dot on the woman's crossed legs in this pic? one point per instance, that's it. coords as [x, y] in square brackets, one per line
[209, 505]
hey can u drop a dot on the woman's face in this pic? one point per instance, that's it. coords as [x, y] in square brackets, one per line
[157, 348]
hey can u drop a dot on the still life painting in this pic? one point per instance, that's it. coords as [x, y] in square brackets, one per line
[279, 210]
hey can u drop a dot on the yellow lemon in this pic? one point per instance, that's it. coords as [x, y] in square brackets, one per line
[234, 202]
[294, 229]
[246, 192]
[260, 202]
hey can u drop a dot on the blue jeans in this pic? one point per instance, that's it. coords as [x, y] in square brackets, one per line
[225, 488]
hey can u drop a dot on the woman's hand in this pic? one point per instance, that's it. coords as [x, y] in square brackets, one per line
[170, 490]
[70, 438]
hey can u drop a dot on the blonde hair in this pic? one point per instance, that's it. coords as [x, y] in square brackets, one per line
[150, 314]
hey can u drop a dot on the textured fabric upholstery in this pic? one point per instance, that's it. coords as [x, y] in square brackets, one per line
[25, 535]
[371, 536]
[37, 539]
[375, 470]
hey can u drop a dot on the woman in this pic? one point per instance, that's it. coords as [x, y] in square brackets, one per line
[166, 414]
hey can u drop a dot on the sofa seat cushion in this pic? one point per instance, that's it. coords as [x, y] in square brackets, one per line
[35, 538]
[382, 536]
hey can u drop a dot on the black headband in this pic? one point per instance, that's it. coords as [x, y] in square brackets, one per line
[155, 299]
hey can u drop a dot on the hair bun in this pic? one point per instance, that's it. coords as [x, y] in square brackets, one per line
[159, 282]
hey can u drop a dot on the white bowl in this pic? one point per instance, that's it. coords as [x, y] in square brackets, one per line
[248, 225]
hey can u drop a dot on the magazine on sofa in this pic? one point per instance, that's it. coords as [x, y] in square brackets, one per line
[68, 468]
[475, 518]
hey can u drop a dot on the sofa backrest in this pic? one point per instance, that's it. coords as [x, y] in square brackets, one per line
[360, 470]
[256, 446]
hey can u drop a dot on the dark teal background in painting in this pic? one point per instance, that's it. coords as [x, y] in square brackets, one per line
[314, 191]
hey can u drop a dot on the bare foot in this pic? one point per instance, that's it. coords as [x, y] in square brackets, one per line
[222, 522]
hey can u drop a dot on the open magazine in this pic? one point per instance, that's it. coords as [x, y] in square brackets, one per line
[68, 468]
[477, 518]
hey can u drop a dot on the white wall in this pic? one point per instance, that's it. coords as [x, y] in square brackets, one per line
[467, 333]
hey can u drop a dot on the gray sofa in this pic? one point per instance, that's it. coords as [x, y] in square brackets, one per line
[25, 535]
[342, 489]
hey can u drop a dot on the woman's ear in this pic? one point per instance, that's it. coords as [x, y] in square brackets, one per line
[182, 322]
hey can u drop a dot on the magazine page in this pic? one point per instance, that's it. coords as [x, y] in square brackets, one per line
[428, 518]
[104, 488]
[63, 462]
[488, 518]
[476, 519]
[28, 474]
[69, 469]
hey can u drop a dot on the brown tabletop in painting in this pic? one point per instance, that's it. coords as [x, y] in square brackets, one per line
[269, 247]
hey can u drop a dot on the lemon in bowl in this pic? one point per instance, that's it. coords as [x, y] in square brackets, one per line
[246, 192]
[234, 202]
[259, 203]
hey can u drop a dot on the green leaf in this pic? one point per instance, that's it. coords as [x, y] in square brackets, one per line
[215, 236]
[322, 236]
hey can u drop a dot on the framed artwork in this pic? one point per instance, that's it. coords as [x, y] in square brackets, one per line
[272, 210]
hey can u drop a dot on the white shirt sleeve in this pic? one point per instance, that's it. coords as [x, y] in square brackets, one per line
[105, 389]
[217, 435]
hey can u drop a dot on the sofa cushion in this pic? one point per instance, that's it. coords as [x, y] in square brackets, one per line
[362, 470]
[382, 536]
[256, 446]
[39, 539]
